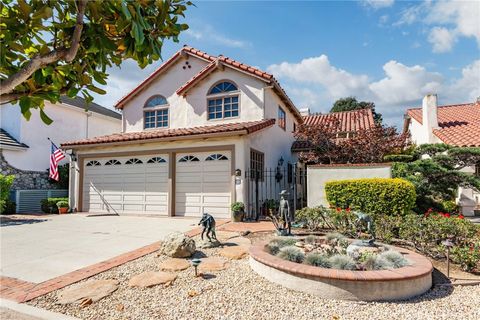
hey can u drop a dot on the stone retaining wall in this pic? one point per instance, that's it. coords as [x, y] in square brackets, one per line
[26, 180]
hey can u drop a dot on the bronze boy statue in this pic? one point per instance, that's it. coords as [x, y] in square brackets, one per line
[208, 223]
[285, 213]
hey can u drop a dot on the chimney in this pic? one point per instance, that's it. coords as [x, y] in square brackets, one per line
[429, 116]
[304, 111]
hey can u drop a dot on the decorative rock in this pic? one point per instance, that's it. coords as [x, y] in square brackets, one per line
[178, 245]
[174, 264]
[151, 278]
[213, 264]
[94, 290]
[235, 252]
[356, 248]
[300, 244]
[239, 241]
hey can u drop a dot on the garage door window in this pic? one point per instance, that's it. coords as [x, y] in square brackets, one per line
[134, 161]
[93, 163]
[156, 160]
[188, 159]
[216, 156]
[112, 162]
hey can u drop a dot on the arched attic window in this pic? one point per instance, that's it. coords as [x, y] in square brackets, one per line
[155, 112]
[222, 101]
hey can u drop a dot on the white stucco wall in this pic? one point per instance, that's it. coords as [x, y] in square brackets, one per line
[69, 123]
[419, 133]
[318, 176]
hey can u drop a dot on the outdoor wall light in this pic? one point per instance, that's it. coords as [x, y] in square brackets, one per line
[238, 172]
[280, 162]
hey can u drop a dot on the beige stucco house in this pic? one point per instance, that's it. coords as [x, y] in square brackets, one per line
[189, 133]
[457, 125]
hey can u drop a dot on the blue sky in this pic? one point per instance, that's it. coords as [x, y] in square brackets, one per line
[389, 52]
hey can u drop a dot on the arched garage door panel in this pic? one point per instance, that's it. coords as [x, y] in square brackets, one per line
[203, 184]
[126, 185]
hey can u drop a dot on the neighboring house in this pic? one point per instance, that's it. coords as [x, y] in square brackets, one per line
[190, 132]
[24, 145]
[456, 125]
[347, 124]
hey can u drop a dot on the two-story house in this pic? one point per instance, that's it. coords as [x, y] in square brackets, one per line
[189, 132]
[456, 125]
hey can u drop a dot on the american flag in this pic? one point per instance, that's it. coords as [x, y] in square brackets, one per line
[55, 157]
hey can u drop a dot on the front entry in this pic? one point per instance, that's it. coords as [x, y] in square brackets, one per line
[203, 184]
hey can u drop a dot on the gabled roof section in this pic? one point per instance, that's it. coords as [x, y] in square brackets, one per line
[9, 142]
[348, 121]
[173, 134]
[459, 123]
[214, 63]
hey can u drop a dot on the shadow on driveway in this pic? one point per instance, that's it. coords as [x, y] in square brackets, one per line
[7, 222]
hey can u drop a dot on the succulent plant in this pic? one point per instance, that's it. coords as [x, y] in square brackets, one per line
[381, 263]
[342, 262]
[336, 239]
[291, 253]
[273, 247]
[310, 239]
[317, 260]
[396, 258]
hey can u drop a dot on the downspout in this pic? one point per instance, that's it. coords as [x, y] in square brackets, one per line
[89, 113]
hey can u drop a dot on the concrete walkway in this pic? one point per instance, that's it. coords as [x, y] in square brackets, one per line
[36, 248]
[10, 310]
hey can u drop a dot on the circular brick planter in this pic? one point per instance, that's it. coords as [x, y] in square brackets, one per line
[378, 285]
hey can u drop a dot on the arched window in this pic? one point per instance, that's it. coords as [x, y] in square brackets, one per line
[133, 161]
[216, 156]
[112, 162]
[93, 163]
[222, 101]
[156, 112]
[156, 160]
[189, 159]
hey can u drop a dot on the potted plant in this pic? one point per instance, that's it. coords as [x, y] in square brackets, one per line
[270, 205]
[62, 207]
[238, 209]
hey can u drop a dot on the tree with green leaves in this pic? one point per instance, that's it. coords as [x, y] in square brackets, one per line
[436, 172]
[51, 48]
[351, 103]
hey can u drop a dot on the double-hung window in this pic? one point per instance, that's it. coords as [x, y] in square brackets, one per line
[155, 113]
[222, 101]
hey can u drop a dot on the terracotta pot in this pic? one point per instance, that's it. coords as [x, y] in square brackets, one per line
[62, 210]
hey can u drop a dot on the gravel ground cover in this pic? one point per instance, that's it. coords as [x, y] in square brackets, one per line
[239, 293]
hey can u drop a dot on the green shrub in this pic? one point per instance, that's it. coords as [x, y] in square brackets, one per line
[313, 218]
[396, 258]
[49, 205]
[381, 263]
[291, 253]
[277, 243]
[399, 158]
[449, 206]
[374, 196]
[468, 257]
[317, 260]
[62, 204]
[237, 207]
[10, 207]
[5, 185]
[342, 262]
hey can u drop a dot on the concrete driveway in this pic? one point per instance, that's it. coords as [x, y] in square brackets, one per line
[37, 249]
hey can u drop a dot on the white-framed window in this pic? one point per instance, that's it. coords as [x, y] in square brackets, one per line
[113, 162]
[282, 118]
[216, 156]
[134, 161]
[155, 113]
[93, 163]
[156, 160]
[189, 159]
[223, 101]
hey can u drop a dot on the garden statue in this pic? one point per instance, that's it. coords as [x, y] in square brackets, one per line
[285, 214]
[365, 219]
[208, 223]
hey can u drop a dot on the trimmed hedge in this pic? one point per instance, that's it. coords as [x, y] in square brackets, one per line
[49, 205]
[377, 196]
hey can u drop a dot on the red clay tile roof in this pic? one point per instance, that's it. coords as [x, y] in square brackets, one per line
[349, 121]
[459, 124]
[213, 60]
[166, 134]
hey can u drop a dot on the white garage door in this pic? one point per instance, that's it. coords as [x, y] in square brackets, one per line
[203, 184]
[126, 184]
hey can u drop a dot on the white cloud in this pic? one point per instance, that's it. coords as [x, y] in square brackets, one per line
[402, 83]
[378, 4]
[318, 70]
[447, 20]
[442, 39]
[466, 88]
[207, 33]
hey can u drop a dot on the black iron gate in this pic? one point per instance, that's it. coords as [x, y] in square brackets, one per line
[264, 187]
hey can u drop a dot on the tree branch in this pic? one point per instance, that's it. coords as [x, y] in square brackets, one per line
[40, 61]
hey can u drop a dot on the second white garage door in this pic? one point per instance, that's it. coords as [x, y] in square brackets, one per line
[203, 184]
[136, 184]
